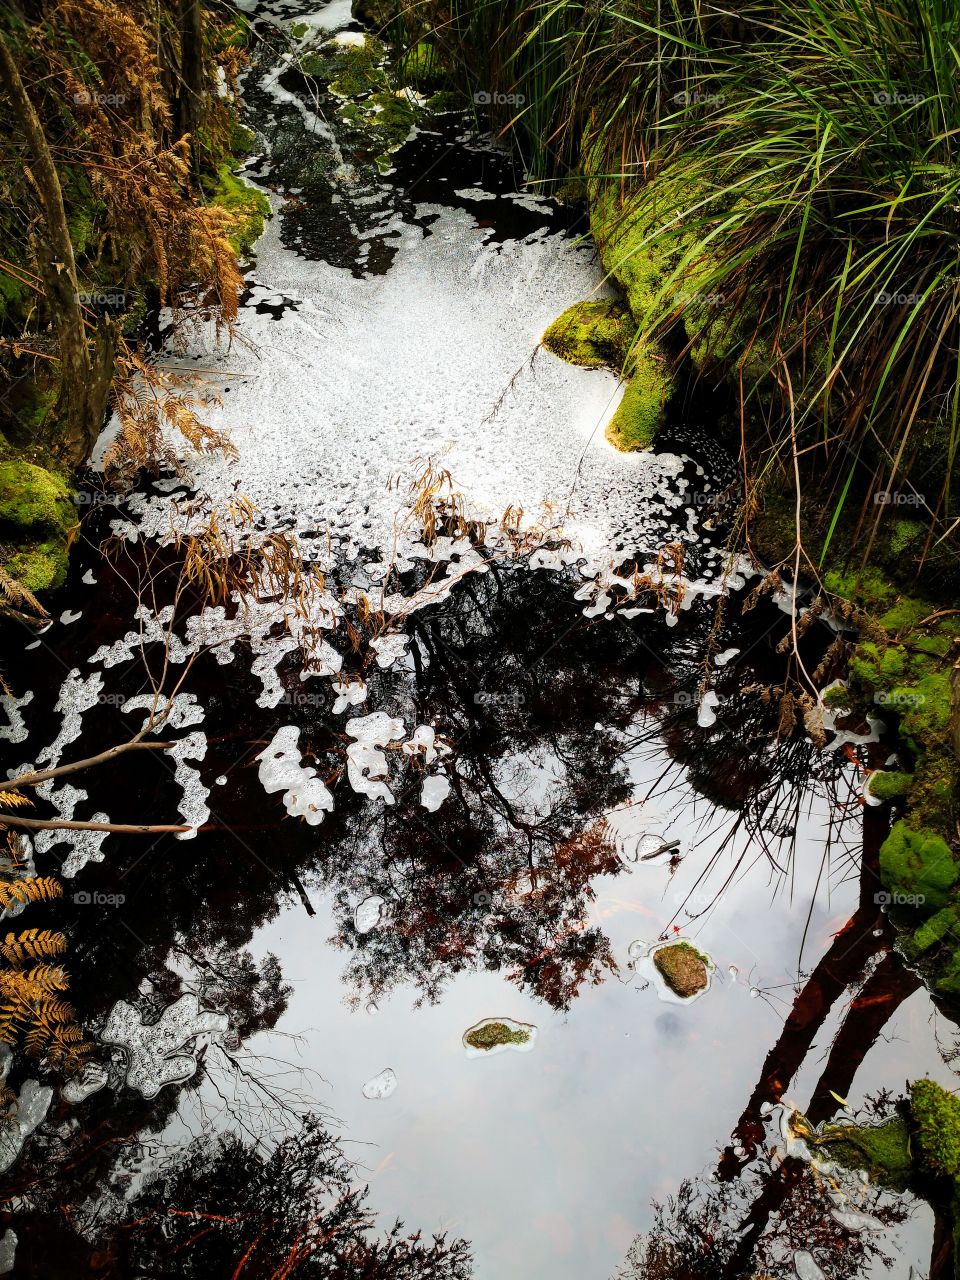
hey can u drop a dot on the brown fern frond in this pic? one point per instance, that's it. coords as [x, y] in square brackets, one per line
[47, 977]
[30, 889]
[15, 598]
[32, 944]
[14, 800]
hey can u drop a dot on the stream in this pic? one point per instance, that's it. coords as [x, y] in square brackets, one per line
[494, 806]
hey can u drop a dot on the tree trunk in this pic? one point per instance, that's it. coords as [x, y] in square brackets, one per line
[84, 383]
[191, 73]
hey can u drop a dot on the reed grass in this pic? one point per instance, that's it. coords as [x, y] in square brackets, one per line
[803, 157]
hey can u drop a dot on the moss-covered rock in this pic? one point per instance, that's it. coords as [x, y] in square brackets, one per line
[882, 1150]
[349, 70]
[685, 970]
[445, 100]
[491, 1034]
[944, 925]
[889, 785]
[40, 566]
[640, 413]
[388, 116]
[936, 1115]
[36, 515]
[248, 206]
[592, 334]
[33, 499]
[917, 867]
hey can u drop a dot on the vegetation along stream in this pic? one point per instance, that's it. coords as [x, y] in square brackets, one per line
[480, 667]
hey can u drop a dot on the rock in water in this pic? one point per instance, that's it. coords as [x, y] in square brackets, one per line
[684, 969]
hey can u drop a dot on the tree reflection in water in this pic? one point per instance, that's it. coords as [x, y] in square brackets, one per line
[542, 707]
[758, 1208]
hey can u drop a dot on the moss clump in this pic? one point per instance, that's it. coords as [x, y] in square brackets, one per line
[36, 514]
[918, 865]
[838, 697]
[421, 68]
[249, 208]
[685, 970]
[592, 334]
[40, 566]
[883, 1150]
[445, 100]
[944, 925]
[936, 1115]
[33, 498]
[348, 70]
[640, 413]
[492, 1034]
[889, 786]
[389, 116]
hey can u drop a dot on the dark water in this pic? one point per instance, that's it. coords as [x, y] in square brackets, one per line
[576, 749]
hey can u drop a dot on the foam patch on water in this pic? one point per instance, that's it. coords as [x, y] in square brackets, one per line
[455, 325]
[304, 794]
[77, 695]
[15, 730]
[382, 1085]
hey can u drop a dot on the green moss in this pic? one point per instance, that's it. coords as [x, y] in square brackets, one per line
[40, 566]
[889, 786]
[640, 413]
[421, 68]
[349, 70]
[936, 1115]
[838, 697]
[917, 865]
[233, 34]
[445, 100]
[685, 969]
[250, 208]
[592, 334]
[13, 295]
[389, 115]
[34, 499]
[934, 791]
[492, 1034]
[883, 1150]
[868, 586]
[945, 924]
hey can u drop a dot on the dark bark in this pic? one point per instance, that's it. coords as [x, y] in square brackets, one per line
[84, 374]
[191, 73]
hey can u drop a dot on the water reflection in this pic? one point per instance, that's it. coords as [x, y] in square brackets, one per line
[556, 722]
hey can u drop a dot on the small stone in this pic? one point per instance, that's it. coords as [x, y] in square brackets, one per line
[683, 968]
